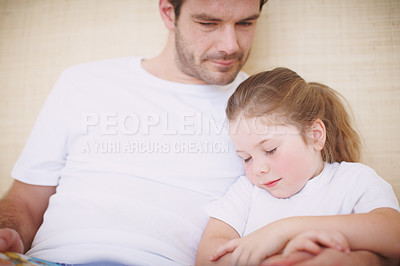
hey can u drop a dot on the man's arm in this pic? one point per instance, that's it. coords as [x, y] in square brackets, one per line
[21, 214]
[329, 256]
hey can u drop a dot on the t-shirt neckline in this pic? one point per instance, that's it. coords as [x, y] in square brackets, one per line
[136, 65]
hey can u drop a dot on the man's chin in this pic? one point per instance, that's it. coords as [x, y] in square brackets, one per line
[220, 81]
[220, 78]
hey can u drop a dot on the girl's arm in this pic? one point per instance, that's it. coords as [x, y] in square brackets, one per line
[216, 234]
[377, 231]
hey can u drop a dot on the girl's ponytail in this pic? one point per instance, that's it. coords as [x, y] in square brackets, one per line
[342, 141]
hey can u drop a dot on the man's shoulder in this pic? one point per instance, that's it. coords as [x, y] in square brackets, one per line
[241, 76]
[110, 66]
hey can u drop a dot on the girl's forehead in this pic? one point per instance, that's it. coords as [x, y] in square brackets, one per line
[262, 126]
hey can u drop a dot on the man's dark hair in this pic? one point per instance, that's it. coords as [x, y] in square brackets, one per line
[178, 4]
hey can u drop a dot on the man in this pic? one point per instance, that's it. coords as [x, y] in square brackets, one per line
[126, 152]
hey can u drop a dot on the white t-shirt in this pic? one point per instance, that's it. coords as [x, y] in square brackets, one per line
[341, 188]
[135, 159]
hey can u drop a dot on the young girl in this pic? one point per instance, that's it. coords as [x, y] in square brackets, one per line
[299, 151]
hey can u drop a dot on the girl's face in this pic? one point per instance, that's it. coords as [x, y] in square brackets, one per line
[276, 156]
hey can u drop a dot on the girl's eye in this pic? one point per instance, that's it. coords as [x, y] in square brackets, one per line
[247, 159]
[270, 152]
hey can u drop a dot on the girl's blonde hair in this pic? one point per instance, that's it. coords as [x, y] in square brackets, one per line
[281, 91]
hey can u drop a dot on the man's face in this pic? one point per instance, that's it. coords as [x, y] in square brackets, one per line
[213, 38]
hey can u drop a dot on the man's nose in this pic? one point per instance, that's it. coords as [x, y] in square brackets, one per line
[228, 41]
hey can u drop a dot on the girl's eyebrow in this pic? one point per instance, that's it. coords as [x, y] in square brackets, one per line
[257, 144]
[262, 142]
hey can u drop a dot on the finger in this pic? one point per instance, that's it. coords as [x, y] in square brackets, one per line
[334, 240]
[224, 249]
[302, 245]
[241, 258]
[10, 241]
[343, 243]
[331, 239]
[256, 257]
[254, 260]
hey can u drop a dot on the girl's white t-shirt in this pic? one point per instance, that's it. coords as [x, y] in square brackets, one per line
[135, 159]
[341, 188]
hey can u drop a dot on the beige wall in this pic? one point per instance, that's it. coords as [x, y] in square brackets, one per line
[350, 45]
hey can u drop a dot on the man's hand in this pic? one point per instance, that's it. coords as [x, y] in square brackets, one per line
[20, 216]
[10, 241]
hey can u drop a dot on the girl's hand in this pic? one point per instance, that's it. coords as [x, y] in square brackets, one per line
[253, 248]
[314, 240]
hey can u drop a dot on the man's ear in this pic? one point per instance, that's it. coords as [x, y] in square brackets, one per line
[167, 13]
[318, 134]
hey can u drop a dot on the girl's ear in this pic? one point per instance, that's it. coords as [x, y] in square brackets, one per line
[167, 14]
[318, 134]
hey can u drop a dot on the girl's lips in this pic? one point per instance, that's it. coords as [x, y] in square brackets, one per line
[272, 183]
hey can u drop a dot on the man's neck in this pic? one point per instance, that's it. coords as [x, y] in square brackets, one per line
[164, 66]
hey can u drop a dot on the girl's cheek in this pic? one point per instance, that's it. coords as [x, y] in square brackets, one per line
[249, 174]
[291, 165]
[286, 160]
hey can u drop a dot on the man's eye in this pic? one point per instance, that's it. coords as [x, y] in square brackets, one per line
[245, 23]
[207, 24]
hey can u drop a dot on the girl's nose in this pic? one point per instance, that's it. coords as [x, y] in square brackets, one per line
[261, 168]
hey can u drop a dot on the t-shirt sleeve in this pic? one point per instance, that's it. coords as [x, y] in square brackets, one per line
[373, 192]
[44, 154]
[235, 206]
